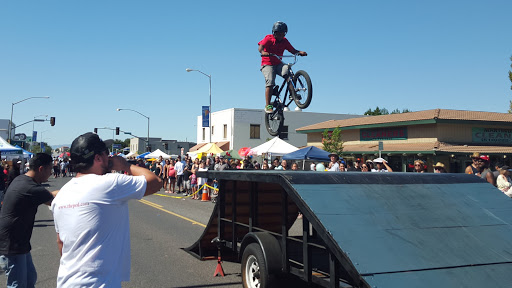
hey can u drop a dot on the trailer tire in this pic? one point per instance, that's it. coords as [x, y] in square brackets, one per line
[254, 269]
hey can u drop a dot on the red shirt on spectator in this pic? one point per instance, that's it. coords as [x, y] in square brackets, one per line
[272, 46]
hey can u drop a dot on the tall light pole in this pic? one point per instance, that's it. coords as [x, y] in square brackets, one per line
[147, 141]
[36, 120]
[210, 109]
[12, 110]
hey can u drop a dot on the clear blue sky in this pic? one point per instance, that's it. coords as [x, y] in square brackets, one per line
[92, 57]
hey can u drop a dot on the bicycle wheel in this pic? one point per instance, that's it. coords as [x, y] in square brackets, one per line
[274, 122]
[303, 89]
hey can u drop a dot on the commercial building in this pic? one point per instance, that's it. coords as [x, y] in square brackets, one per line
[171, 147]
[235, 128]
[438, 135]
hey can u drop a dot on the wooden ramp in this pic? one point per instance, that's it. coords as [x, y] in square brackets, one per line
[385, 229]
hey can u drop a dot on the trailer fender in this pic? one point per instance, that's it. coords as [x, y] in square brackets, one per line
[270, 246]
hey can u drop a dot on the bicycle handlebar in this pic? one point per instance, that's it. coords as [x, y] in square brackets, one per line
[279, 57]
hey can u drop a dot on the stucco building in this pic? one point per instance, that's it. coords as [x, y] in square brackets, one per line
[448, 136]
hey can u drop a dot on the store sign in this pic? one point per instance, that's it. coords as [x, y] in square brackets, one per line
[395, 133]
[492, 135]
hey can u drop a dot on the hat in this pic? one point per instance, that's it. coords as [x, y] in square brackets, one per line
[335, 155]
[439, 165]
[379, 160]
[505, 167]
[484, 157]
[475, 155]
[86, 146]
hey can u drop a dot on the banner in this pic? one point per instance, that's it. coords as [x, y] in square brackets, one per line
[492, 135]
[34, 136]
[206, 116]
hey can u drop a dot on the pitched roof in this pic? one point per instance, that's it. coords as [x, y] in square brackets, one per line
[434, 114]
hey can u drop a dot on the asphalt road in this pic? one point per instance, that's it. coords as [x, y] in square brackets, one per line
[160, 227]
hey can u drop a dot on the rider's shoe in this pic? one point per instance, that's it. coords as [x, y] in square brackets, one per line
[269, 109]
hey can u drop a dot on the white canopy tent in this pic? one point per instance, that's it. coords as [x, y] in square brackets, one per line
[8, 151]
[276, 146]
[157, 153]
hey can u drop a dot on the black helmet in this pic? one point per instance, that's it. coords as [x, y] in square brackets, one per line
[279, 27]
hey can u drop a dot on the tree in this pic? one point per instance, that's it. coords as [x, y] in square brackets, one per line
[37, 148]
[332, 142]
[510, 78]
[377, 111]
[384, 111]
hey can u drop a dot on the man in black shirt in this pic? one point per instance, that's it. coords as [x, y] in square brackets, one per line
[24, 194]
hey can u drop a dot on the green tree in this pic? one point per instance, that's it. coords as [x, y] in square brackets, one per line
[332, 141]
[510, 78]
[384, 111]
[377, 111]
[37, 148]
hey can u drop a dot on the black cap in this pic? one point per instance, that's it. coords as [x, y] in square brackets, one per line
[86, 146]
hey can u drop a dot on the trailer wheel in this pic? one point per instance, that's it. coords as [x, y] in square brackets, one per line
[254, 269]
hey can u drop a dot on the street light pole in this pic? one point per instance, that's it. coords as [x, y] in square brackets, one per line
[32, 145]
[12, 110]
[210, 109]
[147, 140]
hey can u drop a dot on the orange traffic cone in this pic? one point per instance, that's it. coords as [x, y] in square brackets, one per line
[206, 194]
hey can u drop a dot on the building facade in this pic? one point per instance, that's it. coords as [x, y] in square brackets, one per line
[235, 128]
[171, 147]
[438, 135]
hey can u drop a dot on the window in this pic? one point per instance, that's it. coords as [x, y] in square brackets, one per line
[254, 131]
[225, 131]
[284, 133]
[204, 134]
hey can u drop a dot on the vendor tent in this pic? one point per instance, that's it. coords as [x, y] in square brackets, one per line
[275, 146]
[156, 154]
[26, 154]
[141, 156]
[231, 154]
[8, 149]
[308, 153]
[131, 154]
[210, 148]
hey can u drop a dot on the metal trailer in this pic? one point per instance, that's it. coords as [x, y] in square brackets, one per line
[361, 229]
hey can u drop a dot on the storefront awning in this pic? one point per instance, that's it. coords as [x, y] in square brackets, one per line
[425, 148]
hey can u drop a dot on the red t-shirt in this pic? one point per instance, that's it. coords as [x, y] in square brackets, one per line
[270, 45]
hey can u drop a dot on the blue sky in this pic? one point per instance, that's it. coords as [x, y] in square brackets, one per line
[92, 57]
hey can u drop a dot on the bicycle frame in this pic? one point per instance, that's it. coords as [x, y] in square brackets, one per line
[286, 81]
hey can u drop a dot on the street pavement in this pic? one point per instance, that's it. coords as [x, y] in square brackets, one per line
[160, 227]
[159, 231]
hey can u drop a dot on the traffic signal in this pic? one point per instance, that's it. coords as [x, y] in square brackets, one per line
[95, 130]
[52, 121]
[117, 130]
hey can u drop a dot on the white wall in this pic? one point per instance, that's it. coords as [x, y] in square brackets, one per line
[238, 122]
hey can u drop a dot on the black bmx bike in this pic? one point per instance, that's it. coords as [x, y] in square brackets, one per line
[298, 89]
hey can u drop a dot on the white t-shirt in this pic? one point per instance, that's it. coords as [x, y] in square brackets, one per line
[91, 217]
[179, 168]
[201, 180]
[335, 167]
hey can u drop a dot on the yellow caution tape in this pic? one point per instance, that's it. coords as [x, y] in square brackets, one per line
[181, 197]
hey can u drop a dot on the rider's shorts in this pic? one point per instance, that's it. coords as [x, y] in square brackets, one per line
[270, 71]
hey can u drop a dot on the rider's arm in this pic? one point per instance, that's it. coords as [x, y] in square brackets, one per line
[261, 50]
[301, 53]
